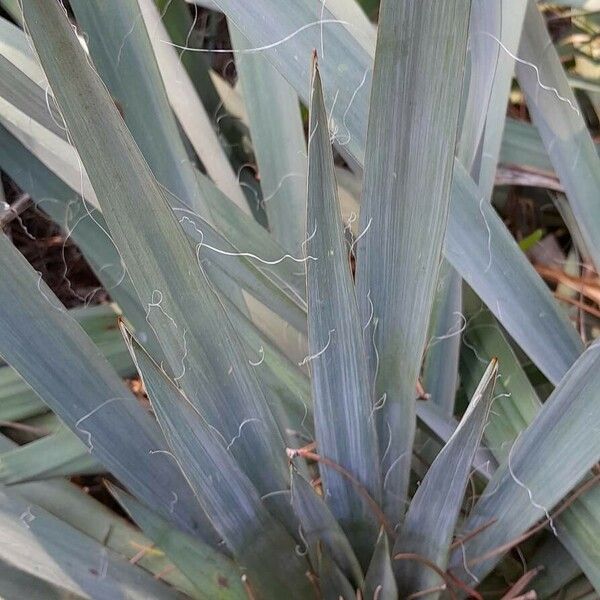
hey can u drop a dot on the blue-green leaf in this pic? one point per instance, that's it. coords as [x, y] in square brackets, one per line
[342, 395]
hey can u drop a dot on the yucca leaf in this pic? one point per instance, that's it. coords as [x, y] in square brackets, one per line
[406, 191]
[56, 455]
[346, 73]
[558, 568]
[516, 407]
[17, 89]
[556, 114]
[518, 402]
[538, 473]
[333, 584]
[442, 427]
[320, 528]
[443, 346]
[14, 46]
[180, 304]
[120, 48]
[379, 580]
[213, 575]
[342, 393]
[243, 232]
[483, 59]
[18, 401]
[278, 142]
[18, 584]
[433, 513]
[186, 104]
[499, 272]
[522, 145]
[58, 360]
[86, 225]
[71, 505]
[40, 544]
[579, 531]
[507, 29]
[259, 542]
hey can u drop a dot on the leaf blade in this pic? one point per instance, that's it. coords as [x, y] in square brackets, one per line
[341, 390]
[406, 191]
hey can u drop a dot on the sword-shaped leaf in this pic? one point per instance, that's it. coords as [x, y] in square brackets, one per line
[413, 123]
[557, 116]
[214, 576]
[538, 473]
[257, 540]
[320, 528]
[278, 141]
[342, 395]
[346, 75]
[180, 304]
[380, 582]
[59, 361]
[433, 513]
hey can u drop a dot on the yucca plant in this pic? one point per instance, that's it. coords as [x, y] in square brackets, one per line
[305, 437]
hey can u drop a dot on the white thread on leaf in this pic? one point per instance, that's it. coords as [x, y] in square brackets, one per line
[275, 493]
[528, 490]
[239, 433]
[167, 452]
[489, 265]
[173, 502]
[312, 135]
[62, 126]
[201, 245]
[378, 405]
[280, 185]
[333, 126]
[130, 32]
[474, 350]
[310, 237]
[375, 325]
[352, 99]
[466, 566]
[27, 517]
[301, 536]
[364, 231]
[535, 68]
[185, 353]
[261, 352]
[451, 334]
[287, 38]
[158, 304]
[103, 570]
[389, 444]
[60, 309]
[372, 309]
[87, 416]
[394, 463]
[311, 357]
